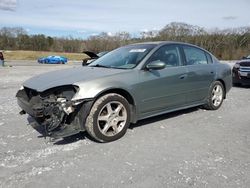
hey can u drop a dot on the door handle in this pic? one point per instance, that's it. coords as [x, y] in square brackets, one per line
[183, 76]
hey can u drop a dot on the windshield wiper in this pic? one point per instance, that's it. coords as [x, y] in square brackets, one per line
[118, 68]
[98, 65]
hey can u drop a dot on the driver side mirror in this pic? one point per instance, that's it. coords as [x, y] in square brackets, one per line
[156, 65]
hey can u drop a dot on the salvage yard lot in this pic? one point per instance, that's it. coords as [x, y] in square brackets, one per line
[34, 55]
[192, 147]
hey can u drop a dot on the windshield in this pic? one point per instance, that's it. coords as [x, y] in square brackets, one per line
[126, 57]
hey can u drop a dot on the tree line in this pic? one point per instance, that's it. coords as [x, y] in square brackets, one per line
[225, 44]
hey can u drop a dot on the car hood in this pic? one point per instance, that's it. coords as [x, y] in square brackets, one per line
[52, 79]
[245, 63]
[91, 54]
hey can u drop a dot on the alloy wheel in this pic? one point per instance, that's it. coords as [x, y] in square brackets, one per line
[112, 118]
[217, 95]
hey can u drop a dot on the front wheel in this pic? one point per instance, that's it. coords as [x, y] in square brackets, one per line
[215, 96]
[109, 118]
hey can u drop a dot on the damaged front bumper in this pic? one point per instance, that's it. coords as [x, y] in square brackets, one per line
[55, 112]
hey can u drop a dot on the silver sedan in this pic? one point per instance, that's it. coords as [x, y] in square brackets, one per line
[125, 85]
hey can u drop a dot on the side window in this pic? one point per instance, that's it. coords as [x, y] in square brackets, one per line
[209, 58]
[195, 56]
[168, 54]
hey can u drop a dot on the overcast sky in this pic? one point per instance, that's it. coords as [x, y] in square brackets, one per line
[82, 18]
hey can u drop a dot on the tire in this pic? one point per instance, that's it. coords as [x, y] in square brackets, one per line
[109, 118]
[215, 96]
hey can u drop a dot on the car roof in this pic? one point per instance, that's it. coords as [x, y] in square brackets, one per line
[163, 42]
[160, 43]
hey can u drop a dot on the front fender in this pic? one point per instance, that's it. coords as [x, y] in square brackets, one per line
[94, 89]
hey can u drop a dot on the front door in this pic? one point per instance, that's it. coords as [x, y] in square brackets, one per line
[163, 89]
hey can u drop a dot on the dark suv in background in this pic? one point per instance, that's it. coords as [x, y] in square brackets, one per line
[241, 71]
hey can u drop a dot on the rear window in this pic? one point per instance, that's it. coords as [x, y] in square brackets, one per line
[195, 56]
[209, 58]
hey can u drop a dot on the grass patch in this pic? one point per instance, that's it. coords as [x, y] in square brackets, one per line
[34, 55]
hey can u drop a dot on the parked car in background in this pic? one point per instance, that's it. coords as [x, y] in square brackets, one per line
[1, 56]
[1, 59]
[53, 60]
[128, 84]
[92, 56]
[241, 71]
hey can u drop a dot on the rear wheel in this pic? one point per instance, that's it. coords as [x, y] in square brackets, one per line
[215, 96]
[109, 118]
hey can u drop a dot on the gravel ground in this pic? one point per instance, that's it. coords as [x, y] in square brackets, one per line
[189, 148]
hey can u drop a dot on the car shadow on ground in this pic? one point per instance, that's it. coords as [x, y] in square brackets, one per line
[72, 139]
[84, 135]
[61, 141]
[242, 86]
[163, 117]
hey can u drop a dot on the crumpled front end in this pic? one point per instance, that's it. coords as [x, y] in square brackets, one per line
[55, 110]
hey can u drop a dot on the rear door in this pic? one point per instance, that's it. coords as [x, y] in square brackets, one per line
[201, 73]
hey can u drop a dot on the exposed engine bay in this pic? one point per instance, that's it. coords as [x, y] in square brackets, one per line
[54, 110]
